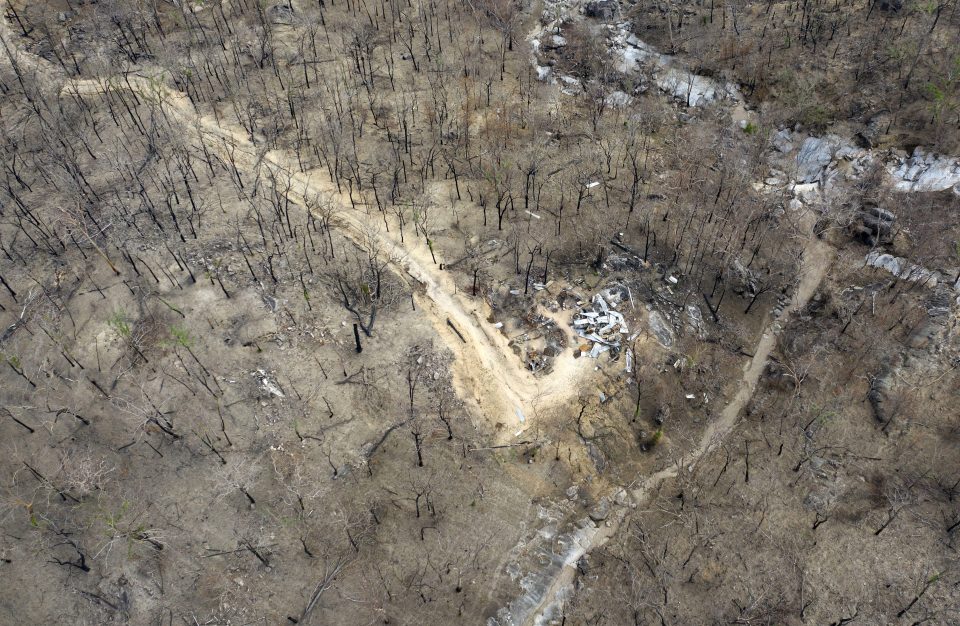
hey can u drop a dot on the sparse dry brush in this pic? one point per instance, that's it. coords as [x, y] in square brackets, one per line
[263, 264]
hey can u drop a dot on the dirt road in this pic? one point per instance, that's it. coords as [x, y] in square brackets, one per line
[486, 372]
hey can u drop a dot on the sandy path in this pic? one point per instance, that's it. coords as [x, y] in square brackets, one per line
[485, 365]
[486, 372]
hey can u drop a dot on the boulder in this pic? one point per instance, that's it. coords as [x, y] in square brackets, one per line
[782, 141]
[663, 414]
[925, 171]
[600, 511]
[779, 377]
[886, 262]
[256, 329]
[939, 303]
[877, 395]
[882, 214]
[744, 279]
[877, 226]
[859, 232]
[923, 336]
[601, 9]
[555, 42]
[814, 156]
[281, 13]
[618, 100]
[660, 329]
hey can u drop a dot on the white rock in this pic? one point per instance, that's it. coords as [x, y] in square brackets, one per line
[815, 154]
[925, 172]
[618, 100]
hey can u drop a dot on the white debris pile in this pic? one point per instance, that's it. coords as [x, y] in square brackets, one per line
[601, 324]
[268, 385]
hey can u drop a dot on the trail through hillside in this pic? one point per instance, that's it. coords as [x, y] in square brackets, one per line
[485, 364]
[485, 372]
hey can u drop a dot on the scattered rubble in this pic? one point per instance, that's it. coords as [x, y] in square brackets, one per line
[820, 159]
[636, 57]
[268, 385]
[539, 342]
[546, 552]
[601, 324]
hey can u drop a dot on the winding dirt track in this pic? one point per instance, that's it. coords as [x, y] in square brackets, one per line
[486, 372]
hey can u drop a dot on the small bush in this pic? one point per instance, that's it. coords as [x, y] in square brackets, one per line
[118, 322]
